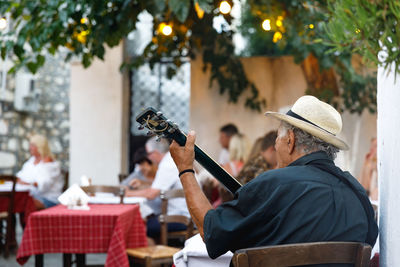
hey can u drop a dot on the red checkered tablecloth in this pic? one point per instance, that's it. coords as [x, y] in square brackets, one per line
[23, 203]
[103, 228]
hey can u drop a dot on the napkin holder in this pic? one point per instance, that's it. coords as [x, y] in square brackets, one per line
[74, 198]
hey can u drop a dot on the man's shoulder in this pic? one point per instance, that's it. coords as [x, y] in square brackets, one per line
[292, 174]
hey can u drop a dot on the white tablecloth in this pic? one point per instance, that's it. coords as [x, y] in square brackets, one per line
[7, 186]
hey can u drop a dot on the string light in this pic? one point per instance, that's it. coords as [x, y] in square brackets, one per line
[277, 37]
[225, 7]
[165, 28]
[81, 37]
[279, 22]
[266, 25]
[3, 23]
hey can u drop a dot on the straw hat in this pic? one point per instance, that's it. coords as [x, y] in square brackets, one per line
[316, 118]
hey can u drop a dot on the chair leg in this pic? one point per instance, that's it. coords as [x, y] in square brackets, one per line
[80, 260]
[9, 235]
[148, 262]
[39, 260]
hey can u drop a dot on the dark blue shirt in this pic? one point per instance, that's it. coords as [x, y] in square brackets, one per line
[297, 204]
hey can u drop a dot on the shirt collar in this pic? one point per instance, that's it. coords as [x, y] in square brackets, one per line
[309, 158]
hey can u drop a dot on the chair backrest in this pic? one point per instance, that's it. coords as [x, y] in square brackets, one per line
[116, 190]
[122, 177]
[9, 194]
[304, 254]
[65, 175]
[164, 218]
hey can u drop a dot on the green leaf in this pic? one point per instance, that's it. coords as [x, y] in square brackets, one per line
[40, 60]
[206, 5]
[32, 67]
[180, 8]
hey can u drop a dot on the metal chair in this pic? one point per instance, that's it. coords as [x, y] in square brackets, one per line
[116, 190]
[304, 254]
[8, 215]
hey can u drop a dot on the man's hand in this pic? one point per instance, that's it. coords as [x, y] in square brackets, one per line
[135, 183]
[184, 155]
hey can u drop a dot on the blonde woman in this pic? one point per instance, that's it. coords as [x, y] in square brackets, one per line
[239, 149]
[42, 172]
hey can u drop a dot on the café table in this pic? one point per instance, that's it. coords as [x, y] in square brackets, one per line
[104, 228]
[23, 202]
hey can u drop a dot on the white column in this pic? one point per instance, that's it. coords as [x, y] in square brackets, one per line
[98, 138]
[389, 166]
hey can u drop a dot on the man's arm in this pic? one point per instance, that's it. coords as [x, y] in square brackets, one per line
[197, 202]
[149, 193]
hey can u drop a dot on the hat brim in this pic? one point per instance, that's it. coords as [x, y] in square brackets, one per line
[311, 129]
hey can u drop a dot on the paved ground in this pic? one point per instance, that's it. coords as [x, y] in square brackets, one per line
[50, 260]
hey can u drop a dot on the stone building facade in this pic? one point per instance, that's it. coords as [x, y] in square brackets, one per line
[51, 119]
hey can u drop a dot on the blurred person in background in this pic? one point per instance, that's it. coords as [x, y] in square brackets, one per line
[239, 148]
[369, 172]
[262, 158]
[42, 172]
[225, 134]
[144, 172]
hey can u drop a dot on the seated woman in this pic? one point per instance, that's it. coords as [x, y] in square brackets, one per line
[144, 172]
[42, 172]
[238, 152]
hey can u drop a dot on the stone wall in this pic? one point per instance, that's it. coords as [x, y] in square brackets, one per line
[51, 119]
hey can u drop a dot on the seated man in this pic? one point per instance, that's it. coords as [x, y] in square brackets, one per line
[307, 199]
[166, 179]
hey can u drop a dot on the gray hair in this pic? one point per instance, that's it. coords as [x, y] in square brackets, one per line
[307, 143]
[161, 146]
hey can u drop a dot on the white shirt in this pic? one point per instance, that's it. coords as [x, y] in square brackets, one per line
[224, 156]
[166, 179]
[46, 174]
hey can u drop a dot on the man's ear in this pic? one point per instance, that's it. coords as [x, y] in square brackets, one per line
[291, 141]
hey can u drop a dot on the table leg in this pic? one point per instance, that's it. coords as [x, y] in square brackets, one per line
[39, 260]
[80, 260]
[67, 260]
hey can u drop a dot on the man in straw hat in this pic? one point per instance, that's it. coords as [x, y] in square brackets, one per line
[308, 199]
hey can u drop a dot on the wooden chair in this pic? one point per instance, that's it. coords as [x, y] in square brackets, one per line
[65, 174]
[122, 177]
[116, 190]
[148, 256]
[163, 254]
[304, 254]
[8, 215]
[165, 219]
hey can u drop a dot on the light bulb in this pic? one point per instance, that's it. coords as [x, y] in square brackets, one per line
[225, 7]
[277, 37]
[266, 25]
[3, 23]
[165, 29]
